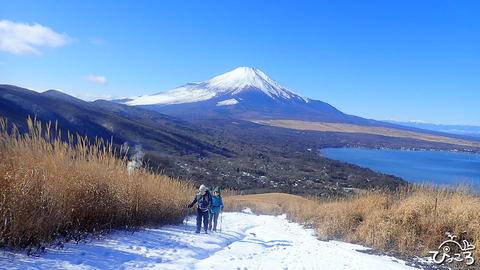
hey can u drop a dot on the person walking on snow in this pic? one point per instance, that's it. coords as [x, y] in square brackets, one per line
[217, 205]
[204, 204]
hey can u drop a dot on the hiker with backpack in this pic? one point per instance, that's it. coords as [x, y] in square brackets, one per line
[217, 205]
[204, 205]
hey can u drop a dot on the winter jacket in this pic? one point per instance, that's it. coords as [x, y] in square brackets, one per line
[204, 203]
[216, 203]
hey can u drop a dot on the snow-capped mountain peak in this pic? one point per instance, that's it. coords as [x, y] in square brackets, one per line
[231, 83]
[245, 78]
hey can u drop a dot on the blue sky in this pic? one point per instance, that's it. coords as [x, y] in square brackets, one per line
[404, 60]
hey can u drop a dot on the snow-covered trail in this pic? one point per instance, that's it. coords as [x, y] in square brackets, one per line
[247, 241]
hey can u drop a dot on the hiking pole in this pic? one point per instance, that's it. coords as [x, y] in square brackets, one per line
[186, 219]
[221, 212]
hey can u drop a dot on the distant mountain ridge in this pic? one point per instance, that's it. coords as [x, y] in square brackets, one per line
[466, 130]
[102, 119]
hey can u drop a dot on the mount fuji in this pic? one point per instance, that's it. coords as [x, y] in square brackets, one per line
[245, 93]
[236, 82]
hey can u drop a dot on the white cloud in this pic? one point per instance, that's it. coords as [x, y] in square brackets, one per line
[95, 79]
[97, 41]
[418, 121]
[88, 96]
[23, 39]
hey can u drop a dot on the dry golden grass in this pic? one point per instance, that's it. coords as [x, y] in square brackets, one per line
[403, 222]
[52, 189]
[269, 203]
[349, 128]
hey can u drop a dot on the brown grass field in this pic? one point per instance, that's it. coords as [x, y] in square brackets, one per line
[349, 128]
[410, 221]
[52, 190]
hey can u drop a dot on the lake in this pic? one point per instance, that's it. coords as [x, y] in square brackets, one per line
[414, 166]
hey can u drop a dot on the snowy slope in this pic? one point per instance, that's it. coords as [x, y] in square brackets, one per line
[247, 241]
[231, 83]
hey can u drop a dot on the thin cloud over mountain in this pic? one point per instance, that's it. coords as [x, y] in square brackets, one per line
[95, 79]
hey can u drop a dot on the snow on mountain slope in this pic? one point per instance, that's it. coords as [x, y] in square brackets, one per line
[231, 101]
[247, 241]
[231, 83]
[243, 78]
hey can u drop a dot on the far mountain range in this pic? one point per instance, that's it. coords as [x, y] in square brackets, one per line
[467, 130]
[239, 130]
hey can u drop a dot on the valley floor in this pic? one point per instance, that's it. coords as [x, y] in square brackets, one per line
[247, 241]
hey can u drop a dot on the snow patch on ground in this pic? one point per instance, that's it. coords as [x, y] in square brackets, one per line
[247, 241]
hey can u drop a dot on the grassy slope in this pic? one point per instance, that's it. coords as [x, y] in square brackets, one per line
[53, 190]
